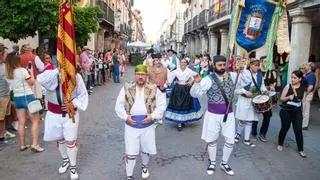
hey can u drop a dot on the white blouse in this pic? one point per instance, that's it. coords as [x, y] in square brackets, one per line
[182, 76]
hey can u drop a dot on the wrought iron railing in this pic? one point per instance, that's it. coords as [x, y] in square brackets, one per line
[203, 18]
[195, 22]
[215, 13]
[107, 13]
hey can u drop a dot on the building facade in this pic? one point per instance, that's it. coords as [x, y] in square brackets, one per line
[206, 30]
[114, 25]
[137, 27]
[171, 30]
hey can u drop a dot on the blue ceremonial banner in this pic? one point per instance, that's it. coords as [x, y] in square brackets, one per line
[254, 24]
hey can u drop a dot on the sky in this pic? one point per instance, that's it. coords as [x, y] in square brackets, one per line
[153, 12]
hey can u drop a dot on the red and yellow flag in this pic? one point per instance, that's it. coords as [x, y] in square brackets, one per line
[66, 53]
[217, 6]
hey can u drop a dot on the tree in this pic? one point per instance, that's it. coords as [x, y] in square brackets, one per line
[86, 22]
[22, 18]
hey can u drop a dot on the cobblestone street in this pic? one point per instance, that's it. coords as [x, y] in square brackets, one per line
[181, 155]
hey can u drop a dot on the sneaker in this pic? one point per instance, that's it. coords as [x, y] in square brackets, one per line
[9, 135]
[73, 173]
[179, 127]
[65, 166]
[237, 138]
[249, 143]
[129, 178]
[262, 138]
[211, 168]
[227, 169]
[144, 173]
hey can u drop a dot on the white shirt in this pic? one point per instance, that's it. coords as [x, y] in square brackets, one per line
[139, 106]
[48, 79]
[198, 89]
[171, 62]
[39, 64]
[246, 79]
[182, 76]
[19, 85]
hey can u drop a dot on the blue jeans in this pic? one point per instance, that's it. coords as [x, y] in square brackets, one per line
[89, 81]
[116, 73]
[22, 102]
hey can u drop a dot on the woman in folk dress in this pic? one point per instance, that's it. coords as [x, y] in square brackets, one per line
[182, 107]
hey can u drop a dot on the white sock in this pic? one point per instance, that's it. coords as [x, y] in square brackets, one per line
[227, 150]
[212, 151]
[145, 159]
[63, 149]
[72, 151]
[240, 128]
[247, 130]
[130, 163]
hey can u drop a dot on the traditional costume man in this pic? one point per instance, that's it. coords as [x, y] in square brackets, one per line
[158, 75]
[252, 84]
[58, 125]
[218, 87]
[139, 104]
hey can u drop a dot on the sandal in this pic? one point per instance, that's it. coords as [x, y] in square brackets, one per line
[36, 148]
[23, 148]
[302, 154]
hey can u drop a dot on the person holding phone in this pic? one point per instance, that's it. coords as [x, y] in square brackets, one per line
[22, 80]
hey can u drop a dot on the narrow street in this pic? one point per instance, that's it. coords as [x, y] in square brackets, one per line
[181, 155]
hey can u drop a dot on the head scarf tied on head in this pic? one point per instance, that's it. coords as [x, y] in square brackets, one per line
[141, 68]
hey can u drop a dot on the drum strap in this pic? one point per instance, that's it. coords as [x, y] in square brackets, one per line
[255, 83]
[223, 93]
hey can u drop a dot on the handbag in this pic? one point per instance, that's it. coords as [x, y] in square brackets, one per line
[33, 106]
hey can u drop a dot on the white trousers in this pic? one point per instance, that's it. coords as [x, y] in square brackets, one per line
[213, 125]
[306, 109]
[137, 140]
[57, 127]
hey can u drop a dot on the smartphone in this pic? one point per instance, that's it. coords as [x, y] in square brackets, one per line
[29, 65]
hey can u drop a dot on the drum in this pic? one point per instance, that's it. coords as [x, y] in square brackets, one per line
[273, 98]
[261, 103]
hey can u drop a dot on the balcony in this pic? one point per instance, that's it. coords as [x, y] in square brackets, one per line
[203, 18]
[185, 27]
[107, 14]
[189, 26]
[195, 22]
[125, 29]
[224, 10]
